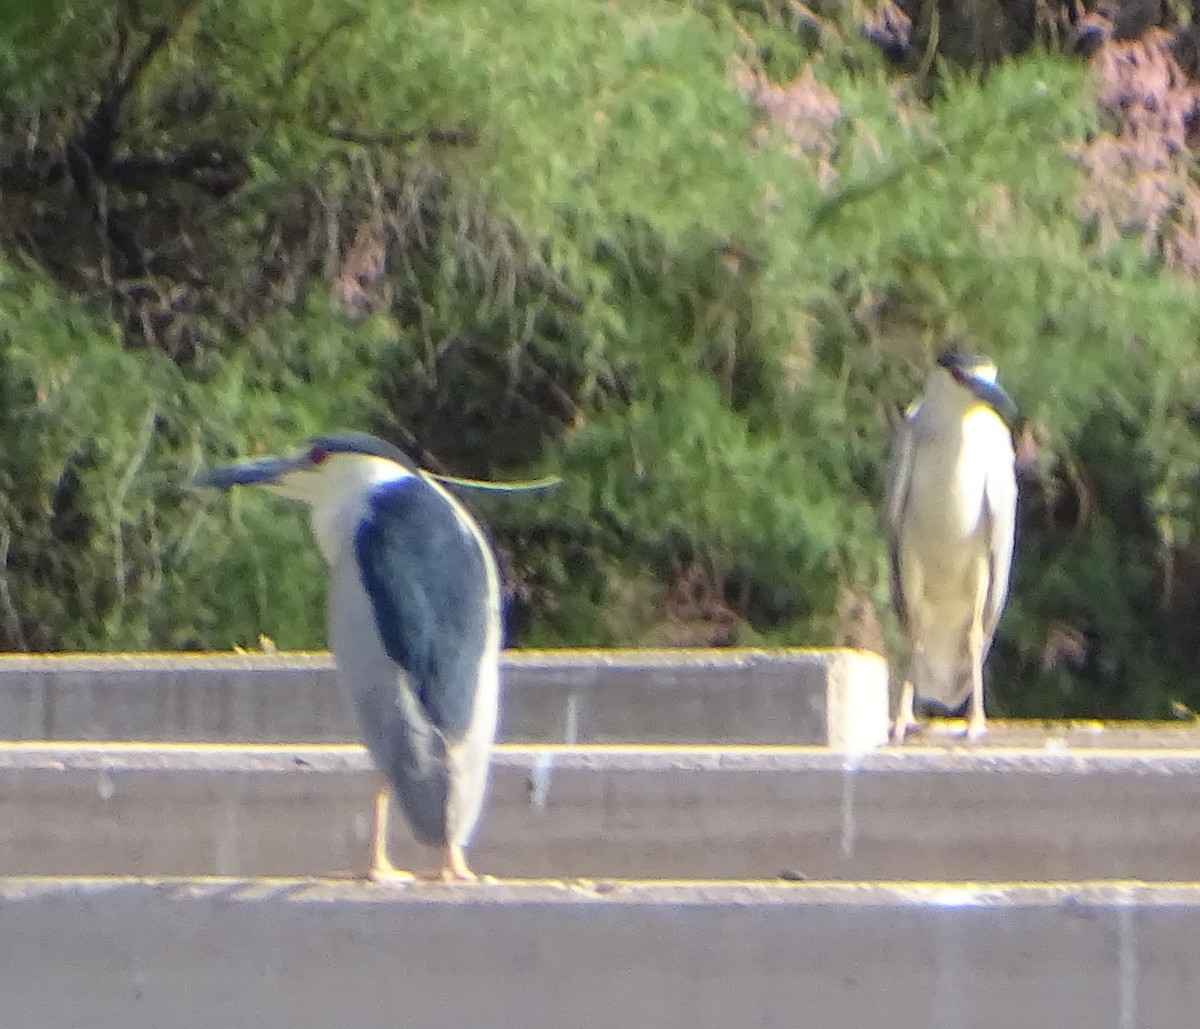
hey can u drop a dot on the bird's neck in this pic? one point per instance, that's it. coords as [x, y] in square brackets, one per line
[336, 515]
[945, 403]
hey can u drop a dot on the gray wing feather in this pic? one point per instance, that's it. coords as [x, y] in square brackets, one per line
[1000, 498]
[403, 741]
[899, 475]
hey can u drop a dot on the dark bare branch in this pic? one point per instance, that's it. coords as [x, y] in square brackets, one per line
[301, 59]
[460, 135]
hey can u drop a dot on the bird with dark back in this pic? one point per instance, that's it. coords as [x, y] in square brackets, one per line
[414, 626]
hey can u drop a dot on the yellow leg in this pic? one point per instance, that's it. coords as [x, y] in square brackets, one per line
[905, 719]
[454, 868]
[382, 869]
[976, 719]
[454, 865]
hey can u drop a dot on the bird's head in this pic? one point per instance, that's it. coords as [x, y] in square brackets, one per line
[979, 377]
[326, 467]
[961, 364]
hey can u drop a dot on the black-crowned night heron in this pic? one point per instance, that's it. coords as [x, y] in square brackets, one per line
[951, 511]
[414, 625]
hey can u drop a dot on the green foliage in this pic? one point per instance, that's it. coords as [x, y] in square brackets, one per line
[102, 543]
[691, 256]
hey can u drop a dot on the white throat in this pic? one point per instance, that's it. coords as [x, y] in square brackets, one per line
[338, 494]
[944, 397]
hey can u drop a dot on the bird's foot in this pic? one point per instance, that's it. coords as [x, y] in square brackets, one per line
[976, 730]
[448, 875]
[454, 867]
[383, 871]
[902, 729]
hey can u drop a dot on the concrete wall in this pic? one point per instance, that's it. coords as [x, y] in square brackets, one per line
[835, 697]
[621, 812]
[590, 948]
[123, 955]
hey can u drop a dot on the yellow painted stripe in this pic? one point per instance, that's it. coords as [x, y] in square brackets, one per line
[846, 886]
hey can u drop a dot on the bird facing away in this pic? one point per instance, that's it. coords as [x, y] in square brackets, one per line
[950, 520]
[414, 626]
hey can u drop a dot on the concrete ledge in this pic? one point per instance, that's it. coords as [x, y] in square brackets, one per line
[305, 955]
[833, 697]
[697, 813]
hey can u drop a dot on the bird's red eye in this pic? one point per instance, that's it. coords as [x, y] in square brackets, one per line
[317, 455]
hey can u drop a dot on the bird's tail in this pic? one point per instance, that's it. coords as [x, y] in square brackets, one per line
[424, 793]
[942, 679]
[440, 789]
[412, 756]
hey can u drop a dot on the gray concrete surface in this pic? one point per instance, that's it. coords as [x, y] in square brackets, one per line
[615, 812]
[835, 697]
[311, 955]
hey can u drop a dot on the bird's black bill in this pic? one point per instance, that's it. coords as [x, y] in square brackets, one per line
[955, 360]
[249, 473]
[960, 365]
